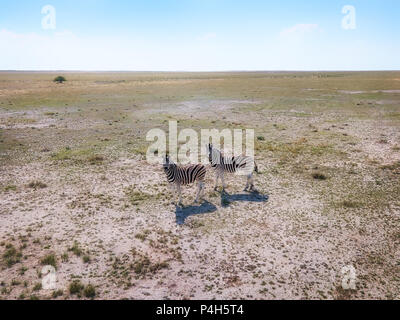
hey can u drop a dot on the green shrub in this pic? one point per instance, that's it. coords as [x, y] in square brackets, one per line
[90, 291]
[76, 249]
[59, 79]
[57, 293]
[75, 287]
[37, 286]
[49, 260]
[11, 256]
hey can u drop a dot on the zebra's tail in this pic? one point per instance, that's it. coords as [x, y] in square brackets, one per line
[256, 167]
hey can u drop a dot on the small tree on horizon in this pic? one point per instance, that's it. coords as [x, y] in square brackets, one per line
[59, 79]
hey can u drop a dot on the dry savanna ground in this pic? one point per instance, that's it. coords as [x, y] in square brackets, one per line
[77, 193]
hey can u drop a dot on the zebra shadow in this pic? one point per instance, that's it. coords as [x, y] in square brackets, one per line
[182, 213]
[251, 196]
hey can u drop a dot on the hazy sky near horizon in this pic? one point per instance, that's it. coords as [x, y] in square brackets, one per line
[199, 35]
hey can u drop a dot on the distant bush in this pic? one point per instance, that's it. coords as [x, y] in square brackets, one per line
[37, 185]
[319, 176]
[350, 204]
[59, 79]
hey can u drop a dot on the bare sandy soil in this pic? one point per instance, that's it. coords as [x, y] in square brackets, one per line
[76, 191]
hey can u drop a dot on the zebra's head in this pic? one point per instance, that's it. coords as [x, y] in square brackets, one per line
[213, 154]
[168, 163]
[209, 151]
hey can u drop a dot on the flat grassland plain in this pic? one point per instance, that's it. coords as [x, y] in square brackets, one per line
[76, 191]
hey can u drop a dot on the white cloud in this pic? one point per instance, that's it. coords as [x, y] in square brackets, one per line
[300, 29]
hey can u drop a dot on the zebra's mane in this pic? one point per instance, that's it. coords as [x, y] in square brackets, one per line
[219, 157]
[216, 155]
[171, 164]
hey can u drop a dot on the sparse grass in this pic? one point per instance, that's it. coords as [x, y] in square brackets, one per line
[350, 204]
[10, 187]
[79, 155]
[11, 256]
[89, 291]
[37, 185]
[300, 148]
[75, 287]
[65, 257]
[196, 223]
[142, 264]
[104, 121]
[319, 176]
[76, 249]
[49, 260]
[137, 197]
[394, 167]
[142, 236]
[4, 291]
[22, 270]
[96, 159]
[15, 282]
[37, 286]
[140, 150]
[57, 293]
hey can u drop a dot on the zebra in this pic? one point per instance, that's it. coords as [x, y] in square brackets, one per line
[183, 175]
[237, 164]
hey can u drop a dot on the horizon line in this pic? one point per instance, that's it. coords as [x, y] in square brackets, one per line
[200, 71]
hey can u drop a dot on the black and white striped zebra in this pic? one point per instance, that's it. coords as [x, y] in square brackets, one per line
[242, 165]
[183, 175]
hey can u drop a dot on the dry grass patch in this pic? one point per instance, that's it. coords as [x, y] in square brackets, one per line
[319, 176]
[37, 185]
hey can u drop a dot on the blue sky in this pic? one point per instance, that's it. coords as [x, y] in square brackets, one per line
[200, 35]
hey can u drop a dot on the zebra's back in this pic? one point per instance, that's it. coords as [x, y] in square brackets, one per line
[189, 174]
[234, 164]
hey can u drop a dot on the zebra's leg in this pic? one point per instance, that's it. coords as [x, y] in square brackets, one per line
[178, 186]
[251, 182]
[200, 184]
[216, 180]
[202, 190]
[223, 181]
[173, 189]
[247, 183]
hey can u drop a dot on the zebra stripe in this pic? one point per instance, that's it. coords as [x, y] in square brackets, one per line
[241, 165]
[228, 164]
[185, 175]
